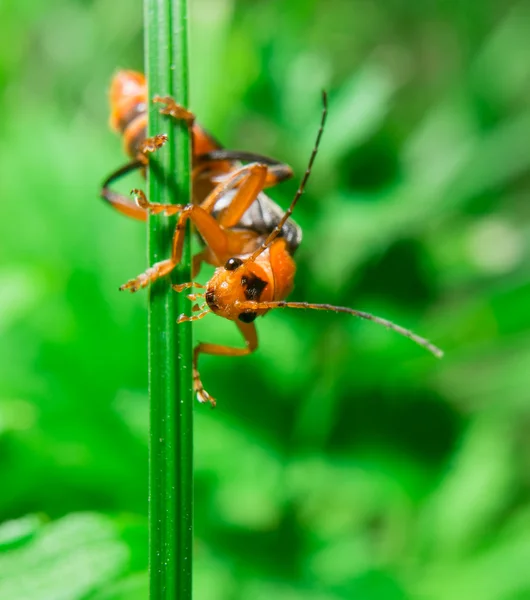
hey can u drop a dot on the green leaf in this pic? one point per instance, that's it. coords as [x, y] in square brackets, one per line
[65, 560]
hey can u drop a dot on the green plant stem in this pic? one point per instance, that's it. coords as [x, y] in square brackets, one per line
[170, 350]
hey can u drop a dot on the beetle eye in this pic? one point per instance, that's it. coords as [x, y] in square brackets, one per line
[233, 263]
[247, 317]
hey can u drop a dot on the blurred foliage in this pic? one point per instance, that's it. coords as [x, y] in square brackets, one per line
[343, 461]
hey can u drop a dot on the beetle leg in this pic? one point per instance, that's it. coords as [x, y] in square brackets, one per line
[121, 202]
[249, 181]
[150, 145]
[197, 261]
[215, 237]
[155, 208]
[251, 343]
[159, 269]
[175, 110]
[180, 287]
[276, 171]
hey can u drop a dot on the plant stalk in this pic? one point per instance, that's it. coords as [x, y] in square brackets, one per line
[170, 347]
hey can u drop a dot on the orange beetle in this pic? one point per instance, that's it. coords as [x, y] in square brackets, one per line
[251, 241]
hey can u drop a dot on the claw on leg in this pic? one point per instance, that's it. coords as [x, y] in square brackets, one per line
[155, 208]
[140, 199]
[175, 110]
[202, 395]
[150, 145]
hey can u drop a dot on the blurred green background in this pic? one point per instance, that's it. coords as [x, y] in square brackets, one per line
[359, 467]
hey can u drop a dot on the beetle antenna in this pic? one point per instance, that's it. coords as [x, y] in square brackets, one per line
[277, 230]
[356, 313]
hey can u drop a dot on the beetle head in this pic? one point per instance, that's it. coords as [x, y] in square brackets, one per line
[236, 282]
